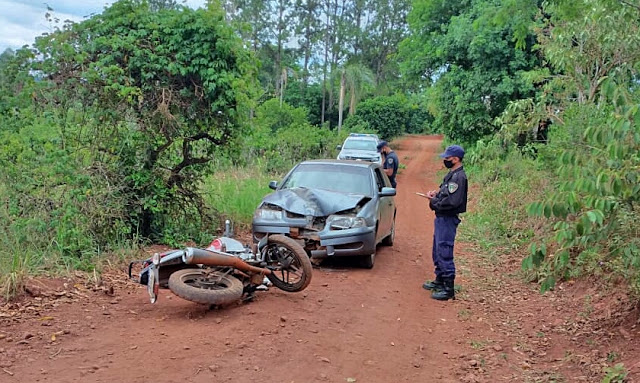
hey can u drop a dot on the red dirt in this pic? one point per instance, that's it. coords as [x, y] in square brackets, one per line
[350, 325]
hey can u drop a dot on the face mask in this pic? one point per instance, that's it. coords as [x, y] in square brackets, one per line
[448, 164]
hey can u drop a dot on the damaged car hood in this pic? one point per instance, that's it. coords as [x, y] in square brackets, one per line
[314, 202]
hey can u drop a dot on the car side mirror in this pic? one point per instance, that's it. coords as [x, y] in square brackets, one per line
[387, 192]
[339, 147]
[273, 185]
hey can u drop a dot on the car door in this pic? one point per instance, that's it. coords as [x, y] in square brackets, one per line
[385, 205]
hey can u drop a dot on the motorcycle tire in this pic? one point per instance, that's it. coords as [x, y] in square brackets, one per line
[296, 255]
[207, 287]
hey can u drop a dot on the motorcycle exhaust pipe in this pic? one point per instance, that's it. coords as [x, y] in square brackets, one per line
[194, 256]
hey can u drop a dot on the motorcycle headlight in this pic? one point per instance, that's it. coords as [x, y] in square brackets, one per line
[337, 222]
[268, 214]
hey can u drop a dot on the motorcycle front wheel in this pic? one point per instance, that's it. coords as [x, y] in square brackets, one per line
[289, 263]
[206, 286]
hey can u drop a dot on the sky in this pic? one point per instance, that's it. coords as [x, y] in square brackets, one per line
[22, 20]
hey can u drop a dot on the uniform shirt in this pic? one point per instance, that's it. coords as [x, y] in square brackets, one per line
[451, 199]
[391, 162]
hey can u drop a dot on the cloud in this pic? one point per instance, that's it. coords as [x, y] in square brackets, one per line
[21, 21]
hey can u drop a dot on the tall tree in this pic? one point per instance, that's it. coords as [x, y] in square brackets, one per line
[251, 19]
[354, 78]
[388, 27]
[282, 32]
[169, 89]
[474, 59]
[307, 14]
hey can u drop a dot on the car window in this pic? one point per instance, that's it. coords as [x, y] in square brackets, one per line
[334, 177]
[381, 181]
[354, 144]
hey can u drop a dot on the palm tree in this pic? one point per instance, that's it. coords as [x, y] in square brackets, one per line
[356, 79]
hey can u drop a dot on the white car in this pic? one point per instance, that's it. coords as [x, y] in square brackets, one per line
[360, 147]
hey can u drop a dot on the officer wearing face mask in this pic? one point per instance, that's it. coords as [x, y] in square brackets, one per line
[389, 162]
[447, 203]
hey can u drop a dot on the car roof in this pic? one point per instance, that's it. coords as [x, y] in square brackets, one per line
[363, 135]
[362, 138]
[361, 164]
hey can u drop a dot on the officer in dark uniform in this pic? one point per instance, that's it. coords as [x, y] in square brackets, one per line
[447, 203]
[389, 161]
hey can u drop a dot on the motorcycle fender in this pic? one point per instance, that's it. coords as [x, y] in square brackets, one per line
[171, 258]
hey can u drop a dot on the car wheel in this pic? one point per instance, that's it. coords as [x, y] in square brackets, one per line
[367, 261]
[388, 240]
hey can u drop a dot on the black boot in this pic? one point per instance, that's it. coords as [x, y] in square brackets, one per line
[434, 285]
[447, 291]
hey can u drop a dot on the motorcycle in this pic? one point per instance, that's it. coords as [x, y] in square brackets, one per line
[227, 270]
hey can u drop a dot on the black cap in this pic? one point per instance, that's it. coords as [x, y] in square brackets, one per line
[381, 145]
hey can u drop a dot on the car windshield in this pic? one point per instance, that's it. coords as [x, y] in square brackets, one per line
[334, 177]
[360, 144]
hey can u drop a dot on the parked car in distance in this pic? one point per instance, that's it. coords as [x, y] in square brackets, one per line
[333, 208]
[360, 147]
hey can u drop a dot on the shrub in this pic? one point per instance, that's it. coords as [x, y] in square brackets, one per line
[386, 115]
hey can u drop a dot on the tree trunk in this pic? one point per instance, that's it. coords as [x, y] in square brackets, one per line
[341, 101]
[352, 102]
[324, 66]
[307, 46]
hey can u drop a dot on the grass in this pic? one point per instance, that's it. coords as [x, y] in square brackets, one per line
[497, 222]
[28, 250]
[16, 264]
[477, 345]
[236, 193]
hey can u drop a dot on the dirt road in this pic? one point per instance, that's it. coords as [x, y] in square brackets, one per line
[350, 325]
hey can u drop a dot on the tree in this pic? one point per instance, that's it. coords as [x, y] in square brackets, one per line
[307, 14]
[591, 41]
[387, 115]
[354, 78]
[388, 27]
[473, 58]
[282, 31]
[168, 87]
[251, 19]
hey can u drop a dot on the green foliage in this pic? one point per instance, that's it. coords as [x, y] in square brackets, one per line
[308, 97]
[499, 222]
[236, 192]
[293, 139]
[163, 93]
[386, 115]
[590, 41]
[476, 58]
[595, 204]
[615, 374]
[274, 117]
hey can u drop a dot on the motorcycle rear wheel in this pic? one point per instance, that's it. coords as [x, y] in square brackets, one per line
[289, 263]
[205, 286]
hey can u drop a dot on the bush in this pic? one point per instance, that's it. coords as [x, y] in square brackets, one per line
[595, 204]
[290, 143]
[389, 116]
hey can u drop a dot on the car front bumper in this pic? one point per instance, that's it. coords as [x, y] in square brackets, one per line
[333, 243]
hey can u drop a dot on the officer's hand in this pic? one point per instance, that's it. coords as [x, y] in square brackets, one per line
[431, 194]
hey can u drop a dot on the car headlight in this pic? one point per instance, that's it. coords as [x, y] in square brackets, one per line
[340, 222]
[268, 214]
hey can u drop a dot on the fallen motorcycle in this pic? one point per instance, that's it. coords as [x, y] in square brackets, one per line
[226, 270]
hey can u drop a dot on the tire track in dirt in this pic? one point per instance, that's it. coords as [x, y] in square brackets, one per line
[374, 325]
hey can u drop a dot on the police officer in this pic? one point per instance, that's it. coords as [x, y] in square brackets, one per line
[389, 161]
[447, 203]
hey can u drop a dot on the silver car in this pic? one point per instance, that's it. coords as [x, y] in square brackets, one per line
[333, 208]
[360, 147]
